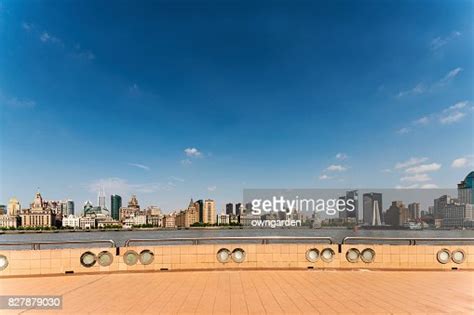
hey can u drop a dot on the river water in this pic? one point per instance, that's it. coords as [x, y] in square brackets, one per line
[121, 236]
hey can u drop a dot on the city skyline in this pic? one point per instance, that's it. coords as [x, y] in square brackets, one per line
[240, 96]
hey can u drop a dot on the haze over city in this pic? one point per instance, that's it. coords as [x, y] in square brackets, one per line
[170, 101]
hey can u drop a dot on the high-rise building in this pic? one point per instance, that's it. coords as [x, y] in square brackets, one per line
[440, 204]
[101, 199]
[229, 208]
[115, 205]
[397, 214]
[14, 207]
[3, 209]
[199, 205]
[70, 207]
[238, 208]
[209, 212]
[372, 208]
[414, 210]
[39, 213]
[354, 196]
[465, 190]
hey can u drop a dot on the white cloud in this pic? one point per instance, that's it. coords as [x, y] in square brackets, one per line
[423, 168]
[422, 121]
[192, 152]
[429, 186]
[178, 179]
[341, 156]
[410, 162]
[416, 178]
[212, 188]
[324, 177]
[144, 167]
[336, 168]
[439, 41]
[27, 26]
[457, 106]
[451, 118]
[467, 161]
[403, 131]
[45, 37]
[407, 187]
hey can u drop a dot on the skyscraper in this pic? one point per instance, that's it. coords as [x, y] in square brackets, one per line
[372, 208]
[115, 205]
[209, 212]
[101, 199]
[354, 196]
[238, 208]
[199, 205]
[229, 208]
[414, 210]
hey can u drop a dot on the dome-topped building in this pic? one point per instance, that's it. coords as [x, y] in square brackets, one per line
[465, 189]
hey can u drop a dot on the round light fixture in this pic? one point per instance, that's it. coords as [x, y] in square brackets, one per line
[146, 257]
[367, 255]
[327, 255]
[105, 258]
[223, 255]
[312, 255]
[458, 256]
[238, 255]
[3, 262]
[88, 259]
[443, 256]
[352, 255]
[130, 257]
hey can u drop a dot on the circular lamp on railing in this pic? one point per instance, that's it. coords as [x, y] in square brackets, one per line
[443, 256]
[367, 255]
[130, 257]
[458, 256]
[88, 259]
[352, 255]
[105, 258]
[223, 255]
[3, 262]
[146, 257]
[312, 255]
[327, 255]
[238, 255]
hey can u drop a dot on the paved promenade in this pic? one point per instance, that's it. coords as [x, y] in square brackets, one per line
[254, 292]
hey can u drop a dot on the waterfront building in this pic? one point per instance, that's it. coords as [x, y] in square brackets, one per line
[372, 208]
[440, 205]
[139, 219]
[169, 220]
[465, 189]
[414, 210]
[101, 199]
[223, 219]
[14, 207]
[39, 214]
[456, 215]
[397, 214]
[3, 209]
[188, 217]
[209, 212]
[133, 208]
[87, 223]
[71, 221]
[69, 207]
[115, 205]
[354, 196]
[229, 208]
[8, 221]
[247, 219]
[199, 205]
[235, 218]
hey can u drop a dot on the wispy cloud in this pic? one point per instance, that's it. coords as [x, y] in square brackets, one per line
[186, 162]
[410, 162]
[429, 186]
[416, 178]
[324, 177]
[212, 188]
[144, 167]
[423, 168]
[439, 41]
[46, 37]
[418, 89]
[122, 186]
[449, 76]
[14, 102]
[178, 179]
[449, 115]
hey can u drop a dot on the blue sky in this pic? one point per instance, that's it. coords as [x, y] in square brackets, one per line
[172, 100]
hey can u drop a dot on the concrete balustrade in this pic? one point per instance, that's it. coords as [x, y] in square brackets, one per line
[257, 256]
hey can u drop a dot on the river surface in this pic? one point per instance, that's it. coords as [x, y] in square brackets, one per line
[121, 236]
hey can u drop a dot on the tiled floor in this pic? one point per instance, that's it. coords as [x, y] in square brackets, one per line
[255, 292]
